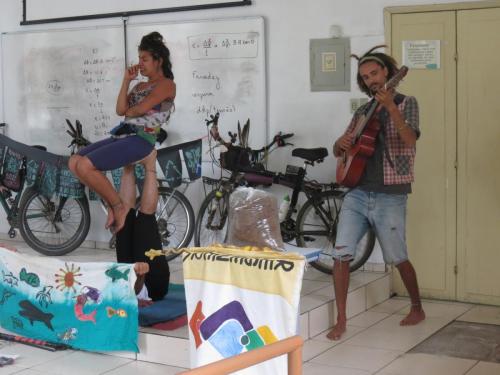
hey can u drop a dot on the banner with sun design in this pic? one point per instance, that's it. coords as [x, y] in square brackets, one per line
[89, 306]
[240, 300]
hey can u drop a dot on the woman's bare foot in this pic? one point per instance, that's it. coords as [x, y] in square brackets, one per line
[111, 218]
[337, 331]
[415, 316]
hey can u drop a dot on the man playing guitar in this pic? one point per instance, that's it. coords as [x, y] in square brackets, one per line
[378, 198]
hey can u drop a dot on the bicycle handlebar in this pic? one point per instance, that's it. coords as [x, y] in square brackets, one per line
[279, 140]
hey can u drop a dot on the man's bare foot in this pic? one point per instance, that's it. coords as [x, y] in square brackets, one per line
[337, 331]
[415, 316]
[120, 212]
[149, 162]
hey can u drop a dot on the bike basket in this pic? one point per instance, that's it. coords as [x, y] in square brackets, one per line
[235, 158]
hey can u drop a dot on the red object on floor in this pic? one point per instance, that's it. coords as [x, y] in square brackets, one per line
[172, 324]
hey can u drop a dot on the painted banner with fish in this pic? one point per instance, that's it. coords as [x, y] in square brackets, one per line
[240, 300]
[90, 306]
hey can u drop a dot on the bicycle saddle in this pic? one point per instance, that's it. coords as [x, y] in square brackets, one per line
[311, 154]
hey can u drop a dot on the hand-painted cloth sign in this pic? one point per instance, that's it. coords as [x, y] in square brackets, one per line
[240, 300]
[45, 171]
[90, 306]
[171, 165]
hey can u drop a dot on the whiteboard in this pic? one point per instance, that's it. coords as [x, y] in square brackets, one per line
[53, 75]
[219, 65]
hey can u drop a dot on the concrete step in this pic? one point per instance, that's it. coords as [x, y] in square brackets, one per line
[317, 312]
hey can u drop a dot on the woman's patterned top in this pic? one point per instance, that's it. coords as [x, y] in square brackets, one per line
[154, 118]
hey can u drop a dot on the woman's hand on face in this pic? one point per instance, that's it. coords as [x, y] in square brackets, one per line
[131, 73]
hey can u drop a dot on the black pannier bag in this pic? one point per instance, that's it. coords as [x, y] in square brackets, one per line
[236, 158]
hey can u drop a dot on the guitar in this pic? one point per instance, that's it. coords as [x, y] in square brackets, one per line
[352, 163]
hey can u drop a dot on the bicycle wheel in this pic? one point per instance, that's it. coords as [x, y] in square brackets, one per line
[317, 228]
[211, 223]
[53, 226]
[175, 217]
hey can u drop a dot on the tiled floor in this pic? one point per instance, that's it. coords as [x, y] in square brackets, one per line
[373, 344]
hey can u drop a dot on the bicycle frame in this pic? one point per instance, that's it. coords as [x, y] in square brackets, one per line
[294, 180]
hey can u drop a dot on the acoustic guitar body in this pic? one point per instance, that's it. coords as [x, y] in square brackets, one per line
[351, 164]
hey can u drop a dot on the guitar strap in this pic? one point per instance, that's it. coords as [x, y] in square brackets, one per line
[398, 99]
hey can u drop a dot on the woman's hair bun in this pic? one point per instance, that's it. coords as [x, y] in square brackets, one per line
[155, 36]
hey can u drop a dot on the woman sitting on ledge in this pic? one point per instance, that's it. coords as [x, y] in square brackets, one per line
[146, 108]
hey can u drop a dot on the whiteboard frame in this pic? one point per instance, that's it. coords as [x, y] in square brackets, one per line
[123, 13]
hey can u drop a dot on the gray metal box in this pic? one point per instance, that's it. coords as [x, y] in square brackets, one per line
[329, 64]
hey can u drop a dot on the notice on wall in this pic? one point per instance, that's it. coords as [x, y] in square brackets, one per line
[422, 54]
[328, 62]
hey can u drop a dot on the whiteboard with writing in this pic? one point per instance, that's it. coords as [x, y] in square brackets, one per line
[219, 66]
[53, 75]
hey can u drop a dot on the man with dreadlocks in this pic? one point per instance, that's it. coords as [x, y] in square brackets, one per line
[379, 198]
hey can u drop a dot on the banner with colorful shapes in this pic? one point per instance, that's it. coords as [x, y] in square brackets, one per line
[240, 300]
[90, 306]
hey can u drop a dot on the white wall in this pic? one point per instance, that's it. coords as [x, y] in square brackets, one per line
[317, 118]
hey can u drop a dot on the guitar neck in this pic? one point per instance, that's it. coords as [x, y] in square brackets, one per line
[360, 126]
[391, 84]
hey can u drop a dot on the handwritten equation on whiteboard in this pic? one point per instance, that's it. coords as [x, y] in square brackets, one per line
[224, 46]
[100, 72]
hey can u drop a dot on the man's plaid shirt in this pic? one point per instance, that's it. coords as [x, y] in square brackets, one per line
[399, 169]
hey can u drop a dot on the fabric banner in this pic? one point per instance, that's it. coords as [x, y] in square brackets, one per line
[171, 164]
[45, 171]
[89, 306]
[240, 300]
[192, 157]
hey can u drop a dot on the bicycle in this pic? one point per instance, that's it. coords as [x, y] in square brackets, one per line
[58, 225]
[174, 213]
[316, 222]
[66, 219]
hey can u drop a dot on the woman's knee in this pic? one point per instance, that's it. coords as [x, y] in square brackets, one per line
[84, 165]
[73, 162]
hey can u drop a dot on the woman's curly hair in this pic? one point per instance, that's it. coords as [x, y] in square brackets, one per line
[382, 59]
[153, 43]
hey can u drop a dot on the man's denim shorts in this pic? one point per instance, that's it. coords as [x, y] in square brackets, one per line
[385, 213]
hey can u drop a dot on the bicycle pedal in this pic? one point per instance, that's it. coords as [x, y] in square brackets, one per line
[12, 232]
